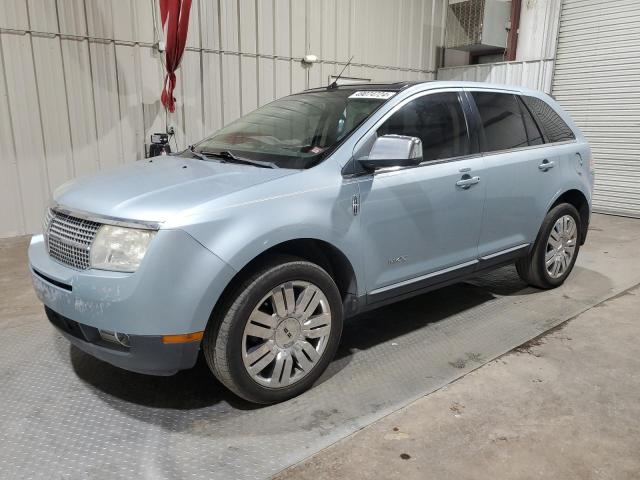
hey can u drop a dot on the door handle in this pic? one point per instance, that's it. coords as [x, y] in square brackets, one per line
[465, 183]
[546, 165]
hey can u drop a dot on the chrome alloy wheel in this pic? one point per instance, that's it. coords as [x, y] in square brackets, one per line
[561, 246]
[286, 334]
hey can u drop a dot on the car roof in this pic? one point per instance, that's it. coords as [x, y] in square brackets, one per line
[399, 86]
[387, 86]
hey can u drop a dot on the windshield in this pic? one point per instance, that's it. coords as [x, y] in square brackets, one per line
[297, 131]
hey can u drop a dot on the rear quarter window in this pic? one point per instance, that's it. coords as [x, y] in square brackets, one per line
[533, 132]
[553, 126]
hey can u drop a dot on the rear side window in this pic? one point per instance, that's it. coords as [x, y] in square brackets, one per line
[553, 127]
[437, 120]
[502, 120]
[533, 132]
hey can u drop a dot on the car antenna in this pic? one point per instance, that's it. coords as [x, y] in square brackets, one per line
[334, 84]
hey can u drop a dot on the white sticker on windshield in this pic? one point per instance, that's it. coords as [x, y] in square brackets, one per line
[372, 94]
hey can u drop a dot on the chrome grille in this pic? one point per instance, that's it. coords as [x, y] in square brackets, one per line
[69, 239]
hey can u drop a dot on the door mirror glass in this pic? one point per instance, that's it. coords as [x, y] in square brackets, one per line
[393, 151]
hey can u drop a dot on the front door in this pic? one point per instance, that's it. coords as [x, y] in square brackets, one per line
[422, 224]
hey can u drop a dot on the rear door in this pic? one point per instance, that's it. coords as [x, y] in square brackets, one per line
[523, 173]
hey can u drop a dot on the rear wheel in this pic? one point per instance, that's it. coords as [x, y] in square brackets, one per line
[554, 254]
[279, 333]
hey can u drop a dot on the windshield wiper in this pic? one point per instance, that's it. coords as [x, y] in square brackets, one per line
[226, 155]
[200, 155]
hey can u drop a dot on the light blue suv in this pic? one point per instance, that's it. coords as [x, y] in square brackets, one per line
[255, 244]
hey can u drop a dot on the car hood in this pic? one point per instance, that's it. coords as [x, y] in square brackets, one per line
[157, 189]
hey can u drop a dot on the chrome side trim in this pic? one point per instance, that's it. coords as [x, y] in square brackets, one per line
[106, 219]
[427, 163]
[504, 252]
[423, 277]
[528, 147]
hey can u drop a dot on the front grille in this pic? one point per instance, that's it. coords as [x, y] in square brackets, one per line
[69, 239]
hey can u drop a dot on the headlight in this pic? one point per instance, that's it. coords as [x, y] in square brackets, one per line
[118, 248]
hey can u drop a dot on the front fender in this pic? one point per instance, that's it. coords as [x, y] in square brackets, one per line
[238, 234]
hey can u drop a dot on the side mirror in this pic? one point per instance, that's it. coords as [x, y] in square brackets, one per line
[393, 151]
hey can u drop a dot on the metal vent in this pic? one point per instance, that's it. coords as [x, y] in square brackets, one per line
[477, 25]
[69, 239]
[464, 23]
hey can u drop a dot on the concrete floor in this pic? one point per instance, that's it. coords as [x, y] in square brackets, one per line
[563, 405]
[566, 405]
[81, 418]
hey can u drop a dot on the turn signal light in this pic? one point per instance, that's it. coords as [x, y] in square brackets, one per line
[184, 338]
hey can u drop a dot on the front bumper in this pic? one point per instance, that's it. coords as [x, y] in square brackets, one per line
[172, 293]
[147, 354]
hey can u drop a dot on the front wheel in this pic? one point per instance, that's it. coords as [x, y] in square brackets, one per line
[279, 333]
[554, 254]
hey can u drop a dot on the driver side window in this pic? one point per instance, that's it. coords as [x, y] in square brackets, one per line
[437, 120]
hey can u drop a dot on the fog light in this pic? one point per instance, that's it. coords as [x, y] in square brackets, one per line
[123, 339]
[115, 337]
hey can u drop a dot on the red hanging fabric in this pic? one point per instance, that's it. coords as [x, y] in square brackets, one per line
[174, 15]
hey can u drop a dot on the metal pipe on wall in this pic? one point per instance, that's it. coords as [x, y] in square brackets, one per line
[514, 25]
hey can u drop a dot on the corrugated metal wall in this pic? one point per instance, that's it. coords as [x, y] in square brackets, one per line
[597, 80]
[536, 74]
[80, 81]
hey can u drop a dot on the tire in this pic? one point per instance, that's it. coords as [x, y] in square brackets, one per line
[231, 350]
[533, 268]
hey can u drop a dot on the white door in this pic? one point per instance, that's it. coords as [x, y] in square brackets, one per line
[597, 80]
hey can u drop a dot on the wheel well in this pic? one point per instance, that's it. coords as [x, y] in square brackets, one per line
[315, 251]
[578, 200]
[323, 254]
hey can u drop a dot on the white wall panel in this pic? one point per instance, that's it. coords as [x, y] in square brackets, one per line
[538, 29]
[282, 78]
[107, 107]
[343, 22]
[12, 215]
[71, 17]
[80, 81]
[42, 15]
[282, 27]
[266, 80]
[143, 24]
[130, 99]
[151, 77]
[193, 38]
[211, 92]
[13, 14]
[210, 17]
[298, 77]
[24, 114]
[56, 131]
[231, 88]
[298, 28]
[536, 75]
[329, 26]
[190, 91]
[80, 106]
[100, 19]
[249, 75]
